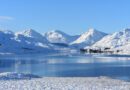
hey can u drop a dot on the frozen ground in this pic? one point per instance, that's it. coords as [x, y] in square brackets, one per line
[56, 83]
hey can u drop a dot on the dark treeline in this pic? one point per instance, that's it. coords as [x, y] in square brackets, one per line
[106, 50]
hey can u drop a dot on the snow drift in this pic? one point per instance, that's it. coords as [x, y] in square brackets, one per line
[16, 76]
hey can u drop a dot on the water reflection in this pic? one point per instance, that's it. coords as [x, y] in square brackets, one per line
[67, 66]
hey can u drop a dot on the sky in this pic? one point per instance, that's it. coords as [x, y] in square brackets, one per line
[70, 16]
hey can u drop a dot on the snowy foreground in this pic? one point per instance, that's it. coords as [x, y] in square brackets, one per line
[60, 83]
[55, 83]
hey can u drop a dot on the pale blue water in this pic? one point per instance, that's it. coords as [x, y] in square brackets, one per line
[68, 66]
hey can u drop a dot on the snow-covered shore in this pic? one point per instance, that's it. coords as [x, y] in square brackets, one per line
[62, 83]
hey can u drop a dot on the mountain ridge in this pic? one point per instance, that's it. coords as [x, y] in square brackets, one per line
[54, 41]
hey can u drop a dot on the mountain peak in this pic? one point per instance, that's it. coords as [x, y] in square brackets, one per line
[58, 32]
[91, 30]
[57, 36]
[32, 34]
[89, 38]
[29, 31]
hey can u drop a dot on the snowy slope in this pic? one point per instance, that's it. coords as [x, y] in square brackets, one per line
[115, 40]
[88, 38]
[32, 40]
[31, 37]
[125, 49]
[27, 41]
[57, 36]
[32, 34]
[7, 42]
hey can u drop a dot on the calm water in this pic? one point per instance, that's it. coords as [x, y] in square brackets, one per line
[67, 66]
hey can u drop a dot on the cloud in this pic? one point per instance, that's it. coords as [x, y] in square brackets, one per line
[6, 18]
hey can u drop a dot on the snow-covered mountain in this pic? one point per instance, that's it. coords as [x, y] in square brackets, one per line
[32, 40]
[28, 41]
[7, 42]
[30, 33]
[88, 38]
[22, 42]
[115, 40]
[57, 36]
